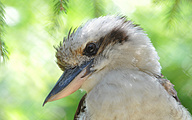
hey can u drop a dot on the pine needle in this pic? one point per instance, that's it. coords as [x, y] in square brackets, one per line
[174, 14]
[98, 6]
[60, 6]
[3, 48]
[173, 10]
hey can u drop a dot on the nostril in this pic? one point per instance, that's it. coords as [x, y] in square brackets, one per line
[73, 67]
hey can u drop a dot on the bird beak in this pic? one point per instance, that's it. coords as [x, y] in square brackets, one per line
[70, 81]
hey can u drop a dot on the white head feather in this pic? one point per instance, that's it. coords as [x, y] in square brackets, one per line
[135, 52]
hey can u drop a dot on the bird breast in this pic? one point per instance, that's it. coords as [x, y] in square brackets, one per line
[129, 94]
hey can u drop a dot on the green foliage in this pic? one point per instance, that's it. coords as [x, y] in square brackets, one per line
[31, 71]
[98, 7]
[60, 6]
[64, 9]
[3, 47]
[173, 10]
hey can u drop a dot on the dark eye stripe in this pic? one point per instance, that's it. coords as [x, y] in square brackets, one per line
[112, 38]
[115, 36]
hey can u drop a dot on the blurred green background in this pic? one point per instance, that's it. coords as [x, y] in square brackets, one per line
[34, 26]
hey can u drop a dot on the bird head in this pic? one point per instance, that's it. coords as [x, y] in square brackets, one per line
[100, 45]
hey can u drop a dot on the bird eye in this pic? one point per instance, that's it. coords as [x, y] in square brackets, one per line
[90, 49]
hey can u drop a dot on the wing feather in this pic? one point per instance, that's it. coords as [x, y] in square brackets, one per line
[169, 87]
[81, 108]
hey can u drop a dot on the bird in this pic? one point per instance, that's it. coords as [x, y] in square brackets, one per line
[114, 61]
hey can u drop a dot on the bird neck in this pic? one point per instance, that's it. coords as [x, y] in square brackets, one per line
[130, 94]
[118, 90]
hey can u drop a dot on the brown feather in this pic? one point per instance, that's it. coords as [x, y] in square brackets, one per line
[169, 87]
[81, 107]
[115, 36]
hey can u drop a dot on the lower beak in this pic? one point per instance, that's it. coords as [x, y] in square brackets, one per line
[70, 81]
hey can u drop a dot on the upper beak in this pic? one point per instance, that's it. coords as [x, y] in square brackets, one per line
[70, 81]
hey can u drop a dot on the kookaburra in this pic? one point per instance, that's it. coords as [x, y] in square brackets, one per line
[115, 62]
